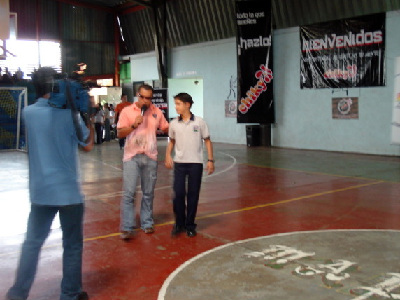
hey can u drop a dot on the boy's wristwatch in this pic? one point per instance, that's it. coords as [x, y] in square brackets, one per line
[211, 160]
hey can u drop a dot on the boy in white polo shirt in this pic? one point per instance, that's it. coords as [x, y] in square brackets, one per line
[186, 134]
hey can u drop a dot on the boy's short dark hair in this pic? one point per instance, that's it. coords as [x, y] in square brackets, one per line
[184, 97]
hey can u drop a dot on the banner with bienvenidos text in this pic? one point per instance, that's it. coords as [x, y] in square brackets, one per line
[343, 53]
[254, 54]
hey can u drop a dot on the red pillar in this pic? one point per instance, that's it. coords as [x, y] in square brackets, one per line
[116, 48]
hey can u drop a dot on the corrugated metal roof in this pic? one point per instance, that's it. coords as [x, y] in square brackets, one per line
[79, 23]
[290, 13]
[196, 21]
[86, 34]
[187, 21]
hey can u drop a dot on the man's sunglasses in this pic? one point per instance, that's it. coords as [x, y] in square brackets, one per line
[143, 97]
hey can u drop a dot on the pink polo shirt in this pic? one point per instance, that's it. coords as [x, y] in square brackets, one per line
[143, 139]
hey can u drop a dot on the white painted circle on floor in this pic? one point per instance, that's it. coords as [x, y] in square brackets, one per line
[330, 264]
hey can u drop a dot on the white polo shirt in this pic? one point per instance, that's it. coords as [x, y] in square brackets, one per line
[188, 138]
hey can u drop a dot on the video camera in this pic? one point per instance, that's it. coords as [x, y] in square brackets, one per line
[65, 94]
[69, 93]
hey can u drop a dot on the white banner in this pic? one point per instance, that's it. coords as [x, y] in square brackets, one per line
[396, 105]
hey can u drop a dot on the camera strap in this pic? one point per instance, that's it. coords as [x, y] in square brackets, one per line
[74, 112]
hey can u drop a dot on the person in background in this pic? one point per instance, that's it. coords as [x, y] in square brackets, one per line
[139, 123]
[98, 121]
[107, 124]
[112, 114]
[118, 109]
[112, 122]
[186, 134]
[53, 188]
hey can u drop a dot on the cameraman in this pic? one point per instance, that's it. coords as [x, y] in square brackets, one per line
[53, 187]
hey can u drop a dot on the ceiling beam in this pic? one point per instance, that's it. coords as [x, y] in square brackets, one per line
[144, 3]
[129, 10]
[87, 5]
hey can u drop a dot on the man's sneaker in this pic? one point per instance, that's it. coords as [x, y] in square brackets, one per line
[176, 230]
[127, 235]
[148, 230]
[191, 233]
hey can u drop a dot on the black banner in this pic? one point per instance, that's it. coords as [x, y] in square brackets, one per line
[160, 100]
[344, 53]
[254, 45]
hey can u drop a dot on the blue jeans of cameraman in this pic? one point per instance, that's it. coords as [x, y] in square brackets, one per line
[185, 215]
[144, 167]
[39, 225]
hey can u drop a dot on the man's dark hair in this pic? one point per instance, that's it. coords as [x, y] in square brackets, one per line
[123, 95]
[43, 80]
[184, 97]
[146, 87]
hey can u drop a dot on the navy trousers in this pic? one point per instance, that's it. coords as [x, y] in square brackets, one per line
[185, 211]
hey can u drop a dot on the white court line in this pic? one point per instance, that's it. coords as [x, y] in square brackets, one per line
[108, 165]
[163, 290]
[167, 186]
[225, 170]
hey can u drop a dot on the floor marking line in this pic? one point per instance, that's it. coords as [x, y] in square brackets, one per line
[290, 200]
[231, 211]
[318, 173]
[225, 170]
[119, 193]
[163, 290]
[102, 162]
[253, 207]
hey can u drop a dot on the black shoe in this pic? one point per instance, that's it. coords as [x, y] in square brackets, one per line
[83, 296]
[176, 230]
[191, 233]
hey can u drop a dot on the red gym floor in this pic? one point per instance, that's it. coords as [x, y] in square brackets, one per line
[255, 192]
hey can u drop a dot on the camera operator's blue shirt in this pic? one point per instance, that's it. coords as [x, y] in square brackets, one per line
[53, 154]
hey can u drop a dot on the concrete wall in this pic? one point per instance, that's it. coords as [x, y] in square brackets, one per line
[303, 117]
[214, 62]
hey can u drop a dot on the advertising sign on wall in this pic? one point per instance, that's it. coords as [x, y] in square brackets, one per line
[160, 100]
[344, 53]
[345, 108]
[255, 97]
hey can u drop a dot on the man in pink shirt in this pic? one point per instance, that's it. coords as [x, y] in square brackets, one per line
[139, 123]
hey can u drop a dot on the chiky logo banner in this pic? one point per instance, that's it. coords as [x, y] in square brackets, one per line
[344, 53]
[254, 52]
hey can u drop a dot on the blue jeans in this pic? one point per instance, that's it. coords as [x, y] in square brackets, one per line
[185, 216]
[144, 167]
[39, 224]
